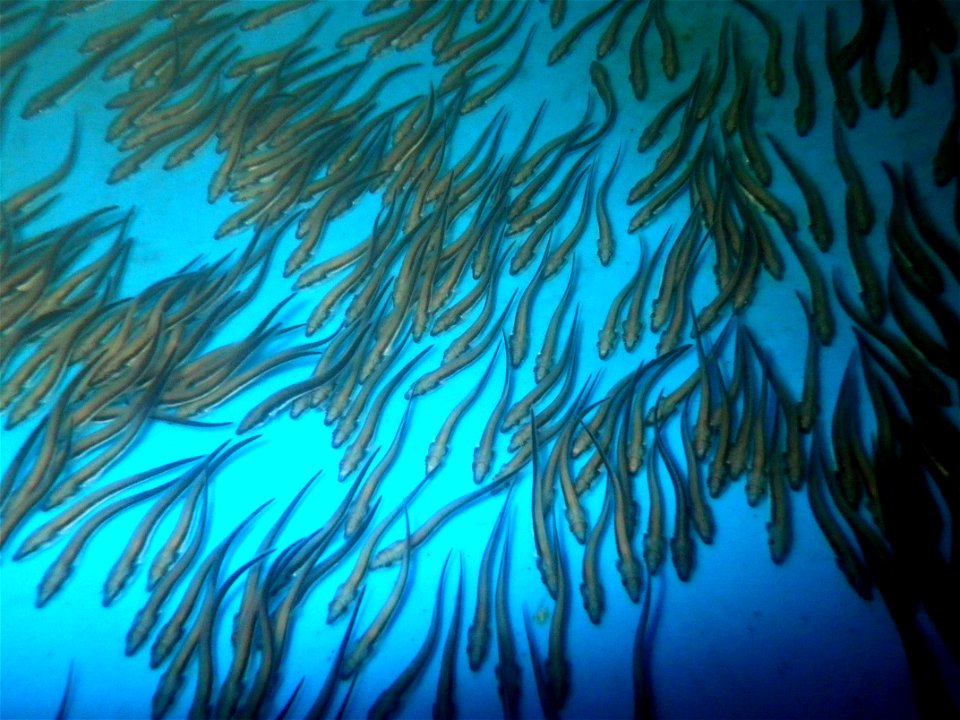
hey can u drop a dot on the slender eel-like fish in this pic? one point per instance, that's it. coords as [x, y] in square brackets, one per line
[478, 634]
[390, 700]
[364, 646]
[444, 707]
[539, 675]
[325, 696]
[805, 113]
[439, 447]
[483, 453]
[507, 669]
[630, 571]
[591, 589]
[546, 560]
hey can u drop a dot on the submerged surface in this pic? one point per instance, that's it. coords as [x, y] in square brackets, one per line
[743, 637]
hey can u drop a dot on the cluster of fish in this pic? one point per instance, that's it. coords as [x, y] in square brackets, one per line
[103, 366]
[301, 147]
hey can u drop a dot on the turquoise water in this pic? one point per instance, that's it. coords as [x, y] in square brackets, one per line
[743, 638]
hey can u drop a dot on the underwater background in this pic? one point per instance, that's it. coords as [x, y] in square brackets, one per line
[743, 636]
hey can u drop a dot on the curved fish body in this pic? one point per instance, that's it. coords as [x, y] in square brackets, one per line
[350, 589]
[478, 634]
[772, 69]
[654, 539]
[633, 322]
[600, 77]
[859, 198]
[607, 338]
[669, 57]
[325, 696]
[871, 288]
[820, 226]
[847, 558]
[574, 513]
[750, 143]
[809, 406]
[57, 574]
[520, 409]
[871, 86]
[558, 10]
[128, 561]
[566, 43]
[741, 73]
[363, 648]
[559, 257]
[605, 240]
[268, 408]
[639, 80]
[444, 708]
[439, 447]
[354, 455]
[546, 560]
[667, 160]
[608, 40]
[708, 101]
[779, 528]
[682, 546]
[483, 454]
[484, 94]
[647, 374]
[805, 114]
[591, 589]
[558, 667]
[627, 564]
[434, 378]
[173, 630]
[49, 531]
[360, 507]
[148, 616]
[393, 553]
[545, 357]
[654, 129]
[507, 669]
[703, 521]
[520, 337]
[642, 686]
[846, 103]
[390, 700]
[462, 343]
[539, 676]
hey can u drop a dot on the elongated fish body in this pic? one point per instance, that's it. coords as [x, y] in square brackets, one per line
[444, 708]
[654, 539]
[61, 569]
[605, 238]
[478, 634]
[566, 43]
[608, 39]
[363, 648]
[594, 600]
[607, 339]
[702, 515]
[546, 560]
[846, 104]
[439, 447]
[539, 675]
[391, 699]
[507, 669]
[682, 545]
[669, 57]
[772, 69]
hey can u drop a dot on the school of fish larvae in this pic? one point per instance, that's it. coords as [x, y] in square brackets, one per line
[480, 209]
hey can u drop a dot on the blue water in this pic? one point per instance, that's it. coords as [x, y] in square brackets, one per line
[743, 638]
